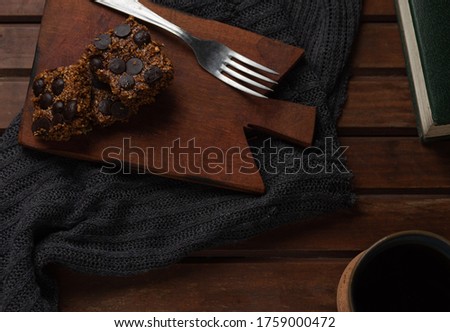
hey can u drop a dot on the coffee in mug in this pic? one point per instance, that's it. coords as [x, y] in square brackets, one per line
[404, 272]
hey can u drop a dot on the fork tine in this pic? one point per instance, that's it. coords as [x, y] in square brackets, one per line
[243, 78]
[249, 71]
[238, 86]
[250, 62]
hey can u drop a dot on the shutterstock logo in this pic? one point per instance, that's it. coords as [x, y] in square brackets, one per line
[188, 158]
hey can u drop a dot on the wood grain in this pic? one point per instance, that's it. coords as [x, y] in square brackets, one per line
[398, 165]
[379, 10]
[21, 10]
[346, 232]
[378, 49]
[267, 285]
[34, 8]
[378, 106]
[17, 47]
[12, 96]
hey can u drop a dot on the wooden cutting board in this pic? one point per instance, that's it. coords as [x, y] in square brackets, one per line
[195, 131]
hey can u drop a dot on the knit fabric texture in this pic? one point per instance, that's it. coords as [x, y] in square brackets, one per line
[59, 211]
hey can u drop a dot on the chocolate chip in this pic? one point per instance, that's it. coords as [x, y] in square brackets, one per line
[152, 75]
[105, 106]
[134, 66]
[102, 41]
[142, 37]
[46, 100]
[96, 83]
[122, 30]
[38, 87]
[119, 110]
[58, 107]
[117, 66]
[70, 110]
[126, 81]
[96, 63]
[41, 123]
[57, 119]
[58, 86]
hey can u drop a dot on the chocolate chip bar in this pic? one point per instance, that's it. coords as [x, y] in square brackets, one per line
[120, 71]
[131, 63]
[62, 99]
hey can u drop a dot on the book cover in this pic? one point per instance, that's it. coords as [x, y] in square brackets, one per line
[425, 28]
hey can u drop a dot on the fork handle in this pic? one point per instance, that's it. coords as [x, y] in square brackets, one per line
[138, 10]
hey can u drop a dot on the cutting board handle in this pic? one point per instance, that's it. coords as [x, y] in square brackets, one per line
[289, 121]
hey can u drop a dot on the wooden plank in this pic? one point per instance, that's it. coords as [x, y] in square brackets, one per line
[380, 10]
[12, 96]
[378, 49]
[21, 10]
[378, 106]
[34, 8]
[399, 165]
[297, 285]
[347, 232]
[17, 47]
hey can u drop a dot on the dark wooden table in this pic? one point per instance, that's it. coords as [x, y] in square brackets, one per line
[401, 185]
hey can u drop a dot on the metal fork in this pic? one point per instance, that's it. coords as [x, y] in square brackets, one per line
[214, 57]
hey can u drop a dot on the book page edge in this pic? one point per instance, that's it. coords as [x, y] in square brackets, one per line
[416, 69]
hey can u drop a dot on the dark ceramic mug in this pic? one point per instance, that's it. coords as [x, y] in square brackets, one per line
[404, 272]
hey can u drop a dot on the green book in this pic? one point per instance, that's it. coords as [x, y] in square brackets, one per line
[425, 28]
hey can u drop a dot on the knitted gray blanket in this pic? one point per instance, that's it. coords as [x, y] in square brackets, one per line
[59, 211]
